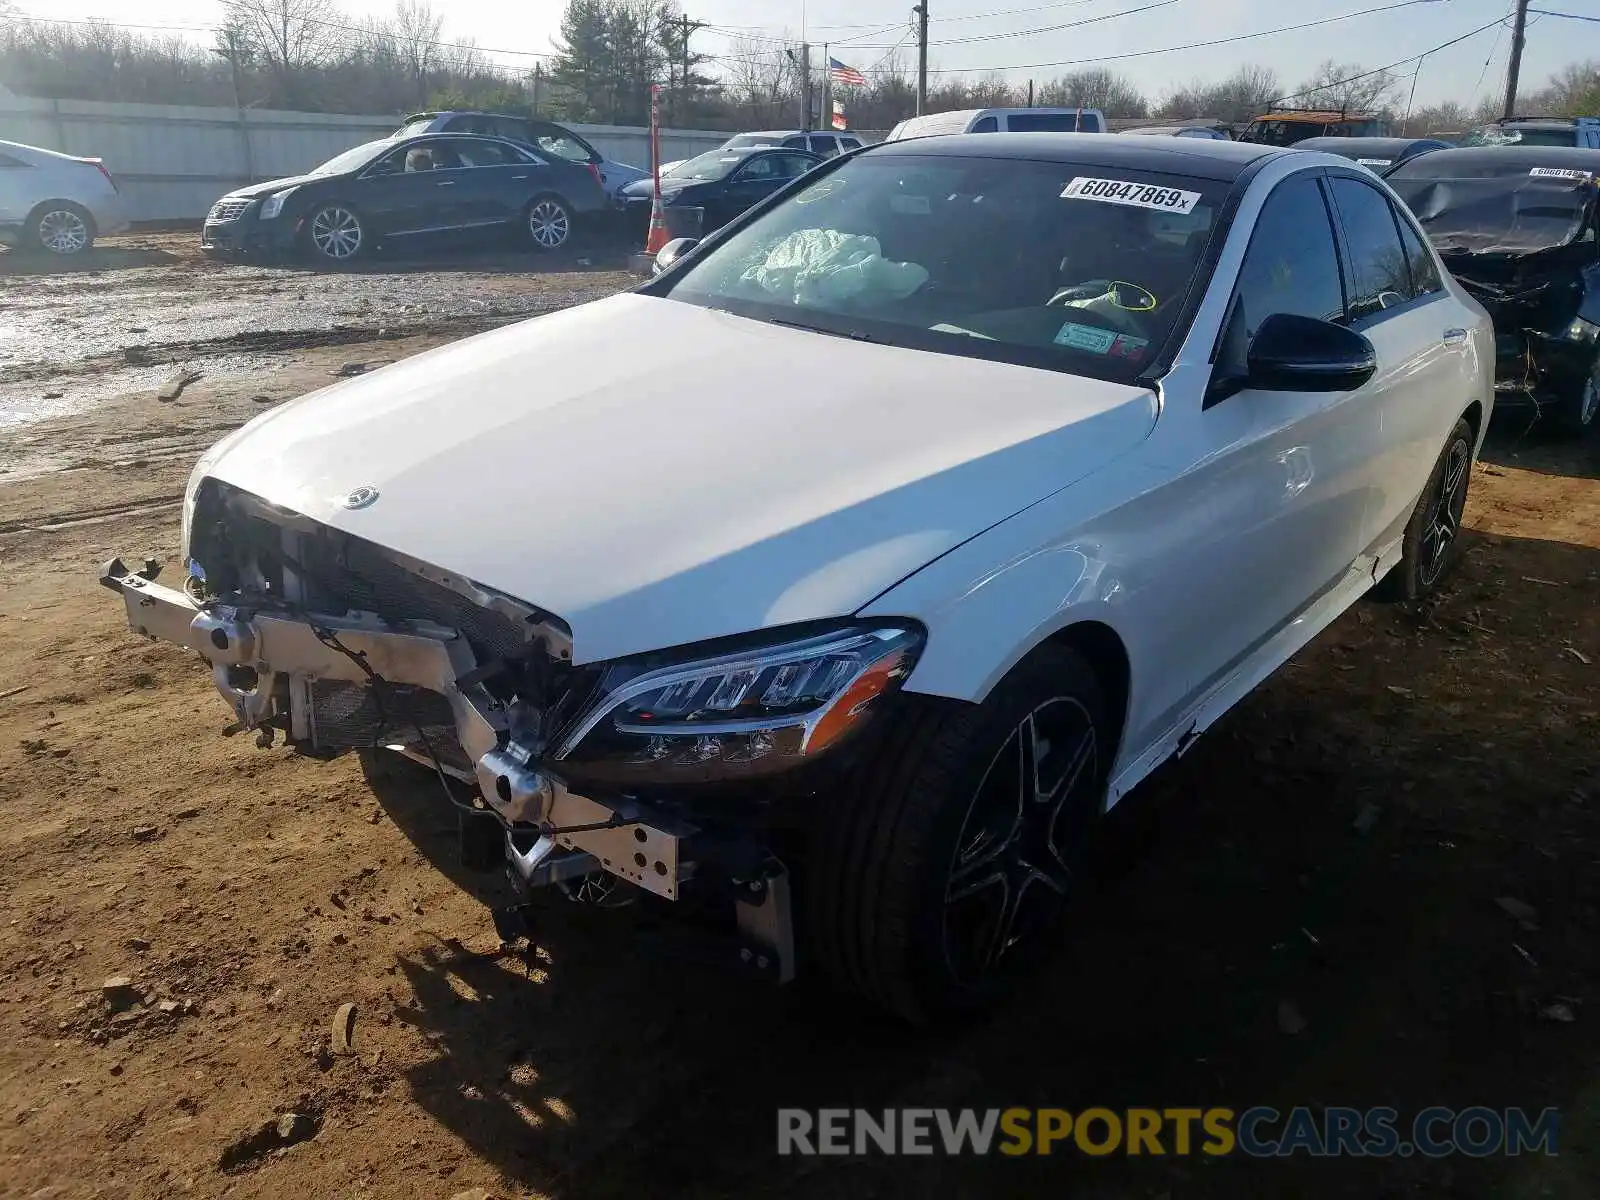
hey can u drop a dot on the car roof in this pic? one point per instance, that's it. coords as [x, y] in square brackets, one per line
[1543, 122]
[1317, 116]
[1513, 156]
[1350, 147]
[1203, 158]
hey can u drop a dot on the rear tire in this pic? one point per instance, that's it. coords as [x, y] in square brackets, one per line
[1428, 548]
[60, 228]
[548, 222]
[937, 877]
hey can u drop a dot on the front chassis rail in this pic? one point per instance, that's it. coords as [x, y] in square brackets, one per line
[252, 652]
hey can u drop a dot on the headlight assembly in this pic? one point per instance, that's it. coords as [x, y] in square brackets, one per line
[745, 713]
[273, 204]
[1581, 331]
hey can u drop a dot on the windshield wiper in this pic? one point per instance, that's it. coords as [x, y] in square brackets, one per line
[854, 335]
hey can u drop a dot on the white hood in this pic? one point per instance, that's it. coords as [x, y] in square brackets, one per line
[657, 473]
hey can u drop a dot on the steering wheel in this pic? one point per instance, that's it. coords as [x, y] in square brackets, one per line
[1130, 297]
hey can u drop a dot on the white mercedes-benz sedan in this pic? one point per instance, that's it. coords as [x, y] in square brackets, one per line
[841, 575]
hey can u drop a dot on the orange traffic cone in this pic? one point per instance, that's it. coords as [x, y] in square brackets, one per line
[657, 236]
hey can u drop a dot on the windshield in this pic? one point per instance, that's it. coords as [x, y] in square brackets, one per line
[714, 164]
[414, 126]
[1497, 135]
[352, 160]
[1080, 269]
[1045, 123]
[746, 140]
[1485, 209]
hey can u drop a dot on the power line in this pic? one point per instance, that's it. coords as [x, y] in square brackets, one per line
[1127, 12]
[1398, 63]
[1545, 12]
[1238, 37]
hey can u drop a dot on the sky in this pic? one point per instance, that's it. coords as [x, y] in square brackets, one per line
[1022, 38]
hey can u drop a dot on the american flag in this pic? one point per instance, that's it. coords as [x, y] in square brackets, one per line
[848, 76]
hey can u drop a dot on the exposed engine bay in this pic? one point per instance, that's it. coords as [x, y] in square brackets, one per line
[335, 644]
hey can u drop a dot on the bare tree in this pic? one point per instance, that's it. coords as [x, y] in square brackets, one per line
[415, 30]
[1240, 97]
[1348, 87]
[1096, 87]
[1573, 91]
[762, 82]
[289, 36]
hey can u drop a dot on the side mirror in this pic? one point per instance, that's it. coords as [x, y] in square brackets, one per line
[672, 252]
[1291, 353]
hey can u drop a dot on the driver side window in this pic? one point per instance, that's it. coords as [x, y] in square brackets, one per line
[1291, 265]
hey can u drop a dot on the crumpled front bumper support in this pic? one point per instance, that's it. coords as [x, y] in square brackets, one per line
[252, 652]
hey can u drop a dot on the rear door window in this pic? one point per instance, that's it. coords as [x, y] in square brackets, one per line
[1424, 272]
[823, 144]
[986, 125]
[485, 154]
[562, 143]
[1380, 276]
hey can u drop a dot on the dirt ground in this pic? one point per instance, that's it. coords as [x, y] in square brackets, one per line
[1305, 909]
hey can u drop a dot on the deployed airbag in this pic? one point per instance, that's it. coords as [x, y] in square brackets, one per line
[826, 267]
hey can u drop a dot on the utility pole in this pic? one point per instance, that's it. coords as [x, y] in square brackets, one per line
[825, 110]
[922, 55]
[538, 75]
[1030, 93]
[1514, 65]
[805, 85]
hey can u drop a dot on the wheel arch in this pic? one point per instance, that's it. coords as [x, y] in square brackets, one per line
[39, 209]
[1473, 416]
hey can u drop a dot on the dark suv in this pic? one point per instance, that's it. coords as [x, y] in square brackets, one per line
[544, 136]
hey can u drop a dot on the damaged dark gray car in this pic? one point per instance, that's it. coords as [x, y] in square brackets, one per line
[1519, 227]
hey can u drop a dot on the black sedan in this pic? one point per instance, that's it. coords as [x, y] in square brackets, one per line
[405, 188]
[1378, 154]
[721, 183]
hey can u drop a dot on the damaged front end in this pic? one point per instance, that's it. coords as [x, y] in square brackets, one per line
[334, 643]
[1546, 311]
[1521, 237]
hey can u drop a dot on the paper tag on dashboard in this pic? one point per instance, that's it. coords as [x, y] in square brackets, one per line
[1136, 195]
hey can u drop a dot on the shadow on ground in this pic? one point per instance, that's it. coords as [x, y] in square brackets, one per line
[96, 258]
[1245, 941]
[1516, 439]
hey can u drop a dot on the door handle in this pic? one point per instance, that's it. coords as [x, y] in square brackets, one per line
[1454, 337]
[445, 183]
[519, 177]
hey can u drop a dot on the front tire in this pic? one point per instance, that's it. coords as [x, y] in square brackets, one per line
[549, 223]
[1428, 548]
[61, 228]
[937, 878]
[1578, 414]
[336, 233]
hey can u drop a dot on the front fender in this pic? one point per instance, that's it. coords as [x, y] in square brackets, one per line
[1085, 554]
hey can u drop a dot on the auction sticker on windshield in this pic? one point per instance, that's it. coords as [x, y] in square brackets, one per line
[1137, 195]
[1558, 173]
[1085, 337]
